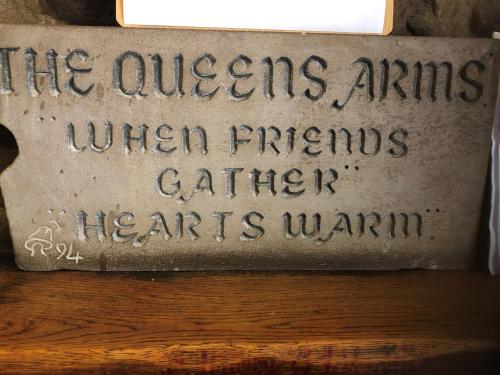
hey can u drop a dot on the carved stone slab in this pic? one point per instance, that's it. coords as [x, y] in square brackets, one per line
[183, 150]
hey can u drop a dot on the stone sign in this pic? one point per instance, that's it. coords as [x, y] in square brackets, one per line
[186, 150]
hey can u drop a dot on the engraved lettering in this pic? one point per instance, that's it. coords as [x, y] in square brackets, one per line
[310, 142]
[433, 80]
[196, 220]
[186, 142]
[204, 183]
[449, 78]
[140, 72]
[159, 226]
[127, 138]
[32, 73]
[108, 138]
[256, 183]
[302, 231]
[269, 77]
[176, 185]
[231, 179]
[401, 225]
[403, 72]
[433, 69]
[82, 226]
[276, 135]
[158, 76]
[376, 144]
[398, 138]
[318, 181]
[320, 83]
[157, 135]
[246, 222]
[286, 180]
[417, 80]
[234, 142]
[375, 219]
[477, 85]
[347, 137]
[290, 139]
[6, 88]
[179, 226]
[366, 70]
[197, 92]
[343, 226]
[404, 224]
[70, 139]
[219, 230]
[234, 94]
[71, 85]
[123, 221]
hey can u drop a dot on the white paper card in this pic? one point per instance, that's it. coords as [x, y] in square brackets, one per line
[352, 16]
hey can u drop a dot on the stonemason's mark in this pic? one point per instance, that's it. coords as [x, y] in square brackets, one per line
[42, 240]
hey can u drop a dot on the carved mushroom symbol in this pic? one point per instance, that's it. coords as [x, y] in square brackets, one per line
[40, 240]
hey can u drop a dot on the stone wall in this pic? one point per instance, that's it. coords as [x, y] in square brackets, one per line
[448, 18]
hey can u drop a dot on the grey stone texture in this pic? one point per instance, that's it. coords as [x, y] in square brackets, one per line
[57, 12]
[447, 18]
[391, 156]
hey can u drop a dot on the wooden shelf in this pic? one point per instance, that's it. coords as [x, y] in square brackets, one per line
[414, 322]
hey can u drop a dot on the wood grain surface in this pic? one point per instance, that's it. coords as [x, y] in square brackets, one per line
[415, 322]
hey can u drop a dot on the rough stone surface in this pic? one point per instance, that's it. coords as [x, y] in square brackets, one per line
[434, 18]
[447, 18]
[82, 12]
[396, 174]
[56, 12]
[25, 12]
[485, 18]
